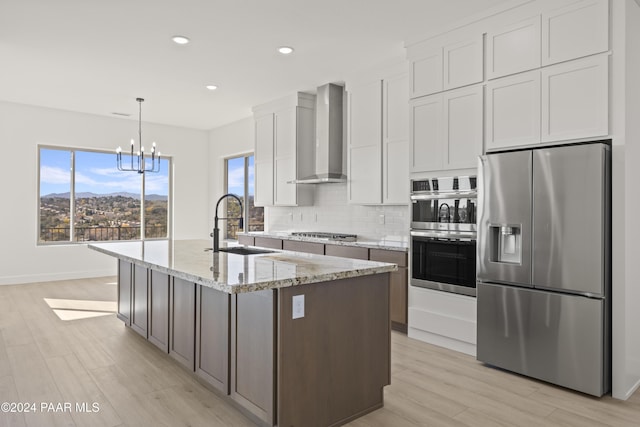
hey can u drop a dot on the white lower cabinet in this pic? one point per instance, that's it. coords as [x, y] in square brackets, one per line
[513, 111]
[442, 318]
[575, 99]
[446, 130]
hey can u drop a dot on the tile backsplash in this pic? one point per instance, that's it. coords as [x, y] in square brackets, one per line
[332, 213]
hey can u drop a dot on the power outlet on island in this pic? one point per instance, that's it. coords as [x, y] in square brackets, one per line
[298, 306]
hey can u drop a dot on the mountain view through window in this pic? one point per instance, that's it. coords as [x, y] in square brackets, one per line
[83, 197]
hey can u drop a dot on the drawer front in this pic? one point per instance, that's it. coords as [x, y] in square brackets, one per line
[346, 251]
[308, 247]
[395, 257]
[246, 240]
[268, 242]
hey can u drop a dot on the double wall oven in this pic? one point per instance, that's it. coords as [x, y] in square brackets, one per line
[443, 234]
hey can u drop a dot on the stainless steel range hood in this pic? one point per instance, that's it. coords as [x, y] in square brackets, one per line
[329, 135]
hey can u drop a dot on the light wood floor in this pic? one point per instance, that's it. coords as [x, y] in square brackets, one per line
[44, 359]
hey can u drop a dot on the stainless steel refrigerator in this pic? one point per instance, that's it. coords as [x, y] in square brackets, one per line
[543, 265]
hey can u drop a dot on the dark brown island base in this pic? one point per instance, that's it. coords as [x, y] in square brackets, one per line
[292, 339]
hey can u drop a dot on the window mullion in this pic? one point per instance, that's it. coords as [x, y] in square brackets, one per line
[72, 198]
[142, 194]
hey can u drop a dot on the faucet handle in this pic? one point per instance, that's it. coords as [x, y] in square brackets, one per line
[210, 234]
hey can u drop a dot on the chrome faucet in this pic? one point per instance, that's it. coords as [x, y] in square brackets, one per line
[216, 230]
[448, 216]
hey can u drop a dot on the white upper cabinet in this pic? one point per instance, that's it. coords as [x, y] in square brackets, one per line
[513, 110]
[575, 99]
[378, 150]
[463, 63]
[433, 69]
[365, 143]
[263, 161]
[577, 30]
[463, 131]
[395, 141]
[514, 48]
[425, 132]
[285, 157]
[284, 132]
[425, 73]
[446, 130]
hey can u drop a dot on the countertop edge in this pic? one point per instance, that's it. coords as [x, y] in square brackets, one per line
[356, 244]
[252, 287]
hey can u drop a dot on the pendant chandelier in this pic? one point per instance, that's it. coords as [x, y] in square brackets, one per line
[140, 165]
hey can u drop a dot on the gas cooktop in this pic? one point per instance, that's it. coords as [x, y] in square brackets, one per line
[324, 235]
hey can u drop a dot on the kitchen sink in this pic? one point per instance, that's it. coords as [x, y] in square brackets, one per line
[241, 250]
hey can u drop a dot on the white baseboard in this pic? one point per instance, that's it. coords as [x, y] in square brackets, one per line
[442, 341]
[50, 277]
[625, 394]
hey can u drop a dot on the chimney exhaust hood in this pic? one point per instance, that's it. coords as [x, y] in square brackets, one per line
[328, 137]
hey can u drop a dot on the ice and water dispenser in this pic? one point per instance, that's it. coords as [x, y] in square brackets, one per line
[506, 243]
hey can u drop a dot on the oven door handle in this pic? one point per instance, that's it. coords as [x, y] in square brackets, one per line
[443, 195]
[444, 234]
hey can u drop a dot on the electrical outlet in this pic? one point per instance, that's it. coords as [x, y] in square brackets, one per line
[381, 219]
[290, 216]
[300, 216]
[298, 306]
[315, 217]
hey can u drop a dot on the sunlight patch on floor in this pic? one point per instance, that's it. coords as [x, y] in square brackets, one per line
[70, 309]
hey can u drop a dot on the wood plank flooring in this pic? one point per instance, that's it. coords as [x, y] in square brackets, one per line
[44, 359]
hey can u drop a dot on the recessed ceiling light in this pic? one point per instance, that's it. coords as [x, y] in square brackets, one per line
[285, 50]
[180, 39]
[212, 87]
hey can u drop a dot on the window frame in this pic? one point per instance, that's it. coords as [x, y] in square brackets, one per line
[72, 195]
[245, 206]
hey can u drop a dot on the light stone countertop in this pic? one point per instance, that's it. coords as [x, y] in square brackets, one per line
[231, 273]
[385, 244]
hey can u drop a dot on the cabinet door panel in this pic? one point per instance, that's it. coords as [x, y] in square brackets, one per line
[159, 310]
[264, 128]
[514, 48]
[575, 99]
[426, 134]
[395, 144]
[365, 169]
[396, 172]
[212, 337]
[365, 152]
[139, 291]
[513, 111]
[463, 133]
[463, 63]
[426, 74]
[124, 291]
[285, 140]
[574, 31]
[285, 171]
[182, 322]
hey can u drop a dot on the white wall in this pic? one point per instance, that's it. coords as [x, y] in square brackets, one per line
[625, 129]
[231, 140]
[23, 127]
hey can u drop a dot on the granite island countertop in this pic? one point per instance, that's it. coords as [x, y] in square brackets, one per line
[390, 244]
[232, 273]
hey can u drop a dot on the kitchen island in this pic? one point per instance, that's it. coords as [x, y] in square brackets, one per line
[293, 339]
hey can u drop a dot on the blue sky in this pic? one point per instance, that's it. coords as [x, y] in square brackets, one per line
[235, 178]
[96, 173]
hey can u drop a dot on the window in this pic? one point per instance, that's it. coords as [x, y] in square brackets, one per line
[240, 181]
[83, 197]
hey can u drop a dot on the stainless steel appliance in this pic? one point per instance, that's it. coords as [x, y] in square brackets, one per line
[544, 264]
[443, 234]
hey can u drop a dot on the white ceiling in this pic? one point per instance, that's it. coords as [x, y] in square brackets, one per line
[97, 56]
